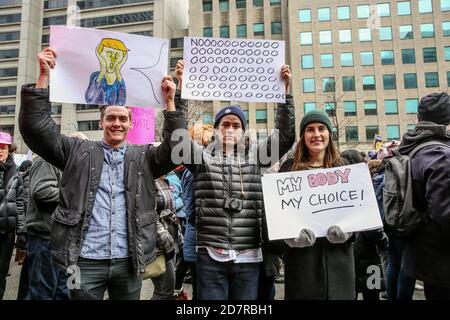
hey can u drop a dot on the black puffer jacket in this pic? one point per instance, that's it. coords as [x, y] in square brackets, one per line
[237, 176]
[11, 196]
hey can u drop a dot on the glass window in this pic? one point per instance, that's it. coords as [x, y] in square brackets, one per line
[349, 108]
[9, 36]
[276, 27]
[223, 5]
[224, 32]
[348, 83]
[429, 55]
[383, 9]
[88, 125]
[258, 3]
[10, 18]
[207, 5]
[447, 53]
[390, 106]
[307, 61]
[366, 58]
[343, 13]
[431, 79]
[410, 80]
[329, 107]
[258, 29]
[323, 14]
[425, 6]
[207, 32]
[8, 72]
[408, 56]
[389, 81]
[309, 85]
[345, 36]
[445, 5]
[368, 82]
[446, 28]
[365, 34]
[304, 15]
[308, 106]
[305, 38]
[274, 2]
[411, 127]
[261, 116]
[370, 107]
[241, 31]
[406, 32]
[8, 54]
[326, 60]
[328, 84]
[177, 43]
[387, 57]
[404, 8]
[10, 2]
[393, 132]
[347, 59]
[116, 19]
[325, 37]
[448, 78]
[351, 133]
[240, 4]
[363, 11]
[207, 118]
[427, 30]
[411, 105]
[371, 131]
[385, 33]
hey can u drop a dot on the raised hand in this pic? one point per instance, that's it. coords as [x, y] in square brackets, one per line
[179, 69]
[47, 61]
[102, 63]
[168, 89]
[119, 66]
[286, 75]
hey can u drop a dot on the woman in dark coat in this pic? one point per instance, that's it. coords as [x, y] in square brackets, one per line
[319, 269]
[12, 217]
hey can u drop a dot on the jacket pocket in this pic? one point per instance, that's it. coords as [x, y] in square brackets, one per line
[147, 223]
[66, 216]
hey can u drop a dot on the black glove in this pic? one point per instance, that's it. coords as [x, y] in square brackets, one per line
[21, 241]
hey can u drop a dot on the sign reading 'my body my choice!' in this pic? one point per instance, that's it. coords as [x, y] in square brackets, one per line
[318, 199]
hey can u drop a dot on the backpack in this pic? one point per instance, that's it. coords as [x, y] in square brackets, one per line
[400, 216]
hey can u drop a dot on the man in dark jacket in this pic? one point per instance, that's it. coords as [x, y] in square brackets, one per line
[46, 281]
[104, 228]
[229, 200]
[427, 252]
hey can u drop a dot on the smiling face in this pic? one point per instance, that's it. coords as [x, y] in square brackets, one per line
[4, 152]
[317, 138]
[112, 57]
[229, 130]
[115, 124]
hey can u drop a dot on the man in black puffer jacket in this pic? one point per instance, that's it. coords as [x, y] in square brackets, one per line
[229, 200]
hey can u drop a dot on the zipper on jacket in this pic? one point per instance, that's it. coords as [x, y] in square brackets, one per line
[230, 194]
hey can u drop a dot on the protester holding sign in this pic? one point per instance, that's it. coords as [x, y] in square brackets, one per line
[320, 268]
[104, 227]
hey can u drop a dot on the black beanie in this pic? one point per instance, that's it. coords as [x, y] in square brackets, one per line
[435, 107]
[235, 110]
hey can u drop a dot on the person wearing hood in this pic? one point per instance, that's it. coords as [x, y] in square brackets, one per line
[12, 216]
[427, 252]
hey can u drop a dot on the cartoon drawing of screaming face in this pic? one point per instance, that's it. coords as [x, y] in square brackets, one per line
[107, 85]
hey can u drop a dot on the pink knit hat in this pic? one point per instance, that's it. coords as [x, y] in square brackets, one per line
[5, 138]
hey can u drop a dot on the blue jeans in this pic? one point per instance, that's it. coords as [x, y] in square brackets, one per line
[46, 281]
[399, 285]
[225, 280]
[115, 275]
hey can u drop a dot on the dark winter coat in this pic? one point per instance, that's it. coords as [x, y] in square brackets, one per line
[427, 253]
[324, 271]
[189, 246]
[26, 188]
[12, 216]
[81, 162]
[43, 198]
[219, 177]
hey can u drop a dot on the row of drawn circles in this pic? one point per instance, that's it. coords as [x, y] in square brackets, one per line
[237, 95]
[232, 52]
[228, 60]
[234, 44]
[232, 78]
[233, 86]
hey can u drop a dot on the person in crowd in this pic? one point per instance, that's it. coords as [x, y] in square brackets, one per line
[320, 268]
[229, 201]
[104, 227]
[367, 248]
[427, 252]
[12, 215]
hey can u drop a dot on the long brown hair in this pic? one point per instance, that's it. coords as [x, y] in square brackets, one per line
[301, 155]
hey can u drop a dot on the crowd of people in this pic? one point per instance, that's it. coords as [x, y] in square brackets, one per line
[89, 217]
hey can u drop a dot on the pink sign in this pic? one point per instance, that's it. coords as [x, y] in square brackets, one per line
[143, 130]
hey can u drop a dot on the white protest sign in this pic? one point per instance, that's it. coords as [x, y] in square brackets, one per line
[103, 67]
[233, 69]
[318, 199]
